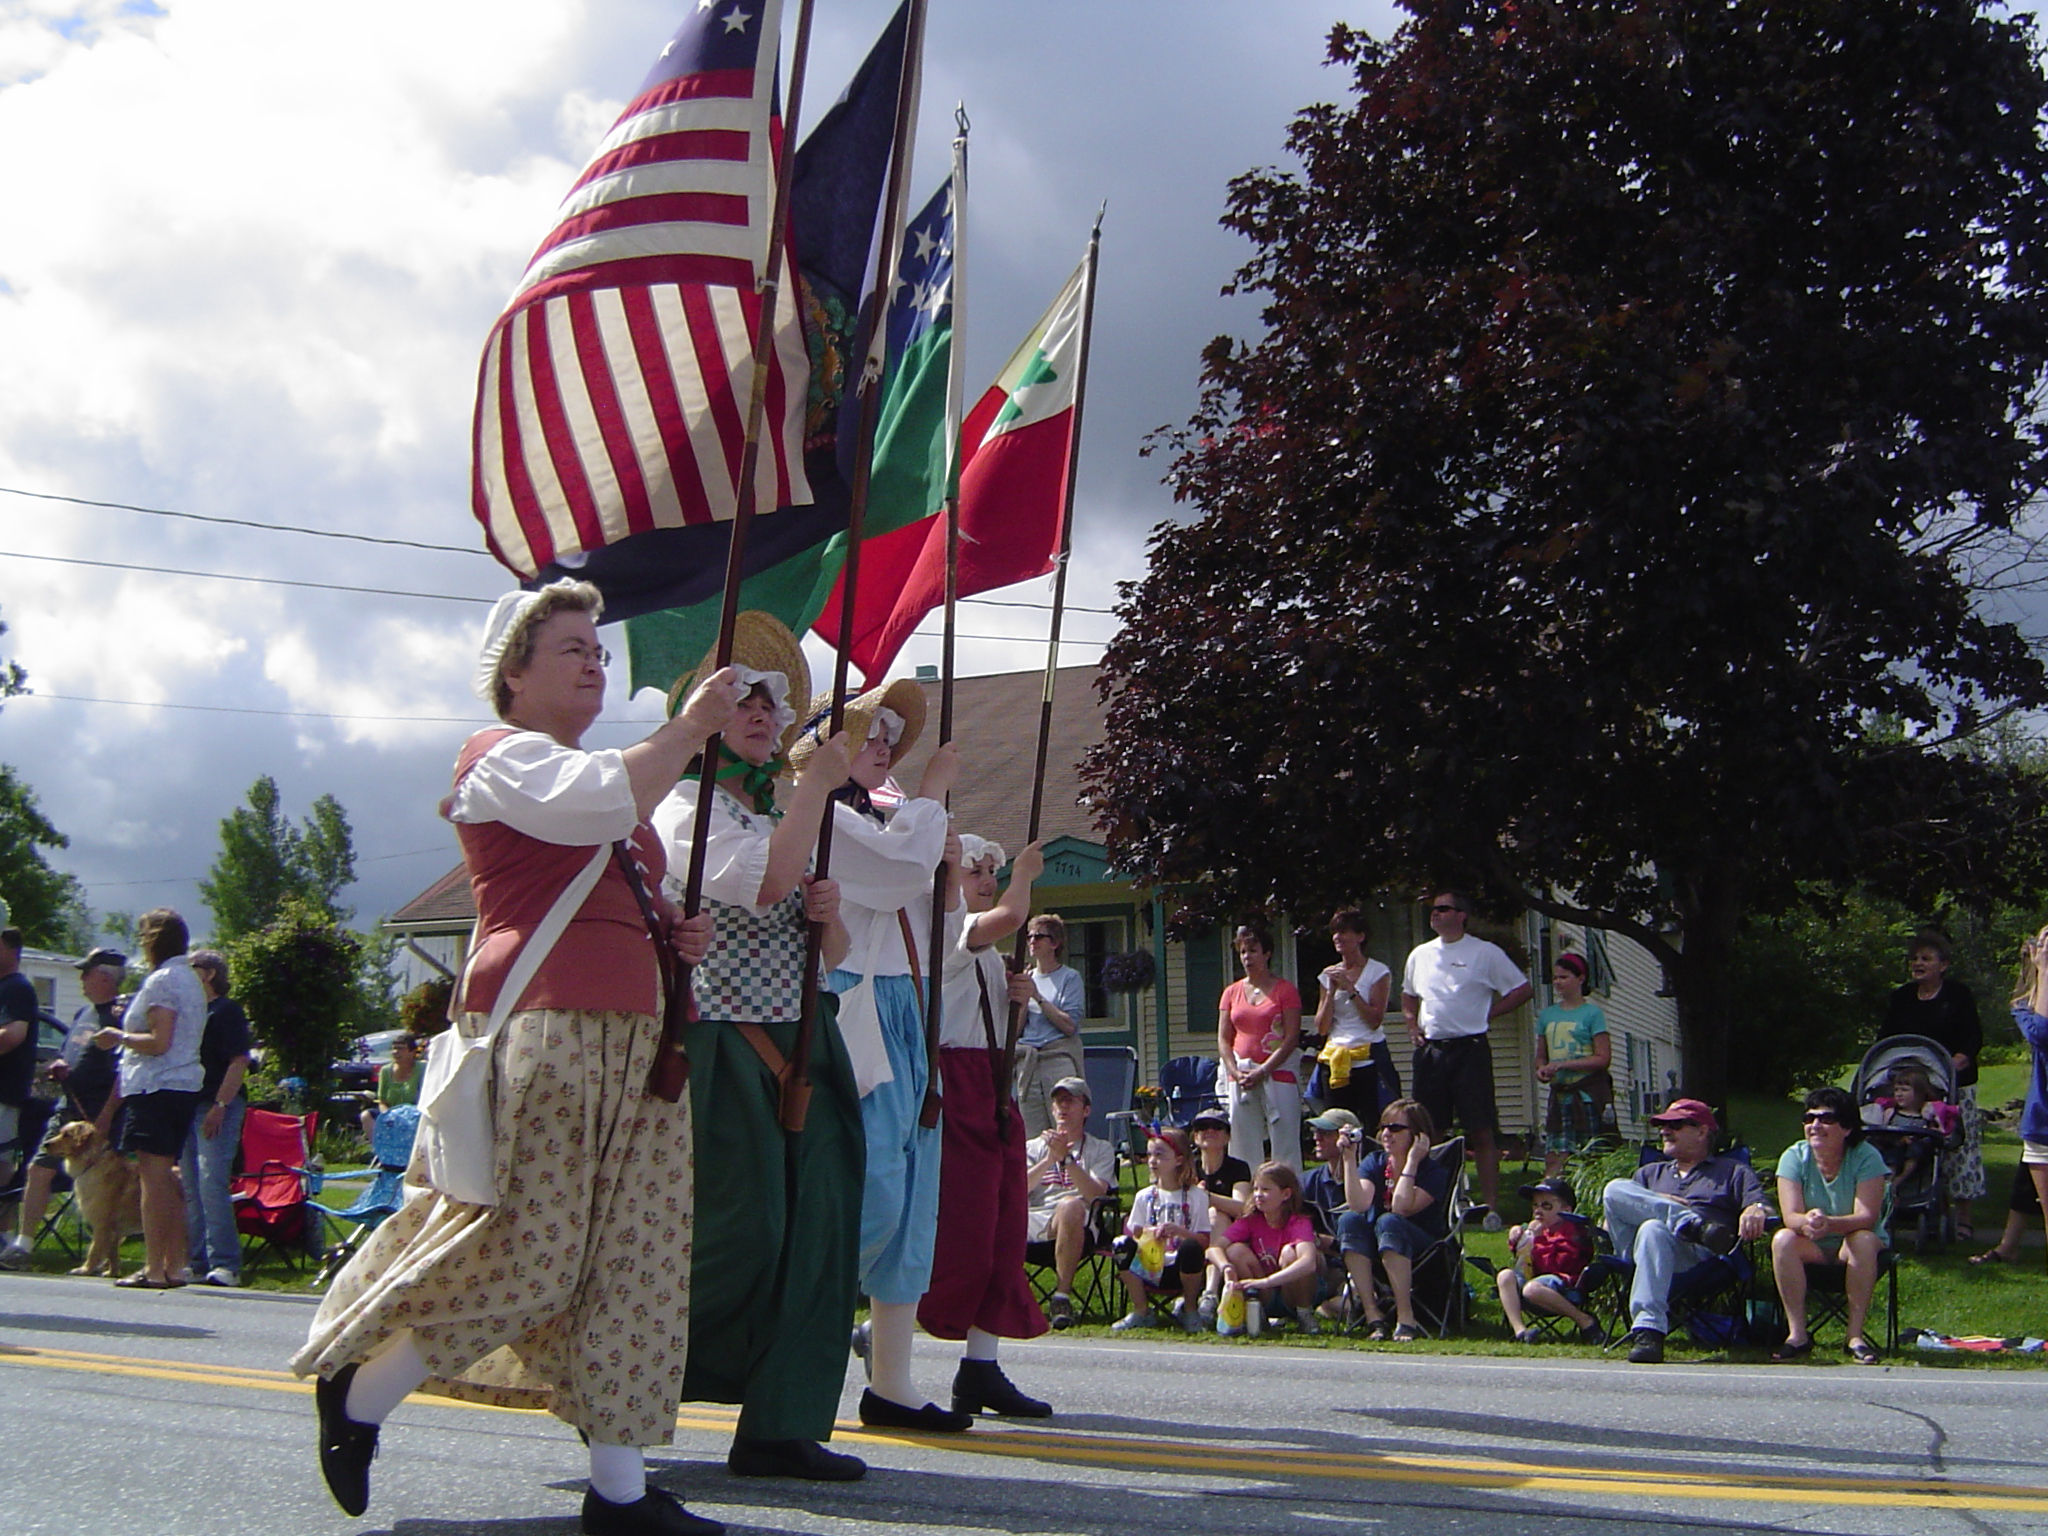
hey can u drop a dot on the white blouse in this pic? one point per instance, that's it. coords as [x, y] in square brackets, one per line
[555, 794]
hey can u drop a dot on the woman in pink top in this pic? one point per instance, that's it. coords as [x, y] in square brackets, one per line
[571, 1292]
[1258, 1027]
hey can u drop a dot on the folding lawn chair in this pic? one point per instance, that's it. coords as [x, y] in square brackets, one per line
[1187, 1086]
[391, 1142]
[272, 1194]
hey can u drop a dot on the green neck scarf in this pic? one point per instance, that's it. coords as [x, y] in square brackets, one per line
[757, 782]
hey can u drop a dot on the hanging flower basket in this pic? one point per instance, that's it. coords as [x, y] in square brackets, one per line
[1132, 972]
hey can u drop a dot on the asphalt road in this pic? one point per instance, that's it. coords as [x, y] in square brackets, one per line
[172, 1413]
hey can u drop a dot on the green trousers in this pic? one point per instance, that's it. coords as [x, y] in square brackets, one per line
[776, 1262]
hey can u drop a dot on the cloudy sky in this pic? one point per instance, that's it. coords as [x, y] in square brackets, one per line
[252, 251]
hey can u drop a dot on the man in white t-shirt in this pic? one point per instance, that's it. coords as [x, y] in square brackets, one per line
[1452, 988]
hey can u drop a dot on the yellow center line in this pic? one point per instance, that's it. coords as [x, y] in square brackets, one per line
[1110, 1450]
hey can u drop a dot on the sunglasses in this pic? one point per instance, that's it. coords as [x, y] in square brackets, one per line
[1397, 1126]
[1821, 1117]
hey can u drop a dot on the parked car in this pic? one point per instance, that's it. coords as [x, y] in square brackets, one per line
[358, 1074]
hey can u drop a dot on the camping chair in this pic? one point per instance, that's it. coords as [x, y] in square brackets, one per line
[1827, 1296]
[1442, 1298]
[60, 1223]
[273, 1192]
[1187, 1086]
[1711, 1301]
[1097, 1293]
[1112, 1073]
[391, 1142]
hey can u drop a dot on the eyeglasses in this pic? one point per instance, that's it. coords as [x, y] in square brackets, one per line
[1820, 1117]
[1041, 938]
[582, 653]
[1387, 1130]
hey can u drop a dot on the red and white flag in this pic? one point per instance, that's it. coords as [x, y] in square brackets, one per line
[613, 393]
[1015, 447]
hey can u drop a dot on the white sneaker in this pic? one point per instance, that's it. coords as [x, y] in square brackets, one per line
[15, 1254]
[1131, 1322]
[227, 1279]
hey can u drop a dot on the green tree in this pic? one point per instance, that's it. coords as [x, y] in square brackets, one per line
[13, 679]
[46, 904]
[297, 980]
[1638, 377]
[265, 860]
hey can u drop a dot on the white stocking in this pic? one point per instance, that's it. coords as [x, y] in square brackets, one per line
[618, 1473]
[892, 1325]
[381, 1384]
[981, 1345]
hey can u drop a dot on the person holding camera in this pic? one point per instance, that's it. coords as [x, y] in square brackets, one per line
[1339, 1203]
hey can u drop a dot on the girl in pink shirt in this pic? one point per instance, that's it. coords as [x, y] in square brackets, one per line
[1272, 1248]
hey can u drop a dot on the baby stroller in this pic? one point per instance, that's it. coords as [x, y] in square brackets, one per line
[1917, 1150]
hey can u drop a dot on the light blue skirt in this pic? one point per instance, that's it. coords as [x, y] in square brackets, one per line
[899, 1209]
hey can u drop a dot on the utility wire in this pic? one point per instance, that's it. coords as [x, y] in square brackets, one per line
[369, 858]
[269, 581]
[244, 522]
[367, 538]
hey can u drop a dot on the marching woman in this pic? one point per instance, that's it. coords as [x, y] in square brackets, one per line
[885, 868]
[978, 1291]
[571, 1292]
[778, 1230]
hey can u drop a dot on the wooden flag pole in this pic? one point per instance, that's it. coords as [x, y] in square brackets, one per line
[671, 1066]
[797, 1092]
[928, 1113]
[1059, 601]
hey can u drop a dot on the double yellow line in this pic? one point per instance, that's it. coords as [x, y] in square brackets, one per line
[1135, 1452]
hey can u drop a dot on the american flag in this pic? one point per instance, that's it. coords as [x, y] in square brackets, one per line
[613, 393]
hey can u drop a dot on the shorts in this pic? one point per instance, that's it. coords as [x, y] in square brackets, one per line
[2034, 1152]
[1454, 1082]
[159, 1122]
[1038, 1221]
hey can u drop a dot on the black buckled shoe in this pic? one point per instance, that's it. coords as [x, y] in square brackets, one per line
[878, 1412]
[654, 1513]
[980, 1386]
[793, 1458]
[346, 1447]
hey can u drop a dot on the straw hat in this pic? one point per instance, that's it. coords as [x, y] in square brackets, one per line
[761, 644]
[903, 697]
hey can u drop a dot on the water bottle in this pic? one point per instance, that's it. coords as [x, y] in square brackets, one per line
[1254, 1316]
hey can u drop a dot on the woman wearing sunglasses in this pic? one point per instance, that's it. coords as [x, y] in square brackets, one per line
[1411, 1191]
[1831, 1187]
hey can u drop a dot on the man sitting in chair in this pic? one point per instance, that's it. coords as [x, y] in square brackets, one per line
[1068, 1170]
[1677, 1212]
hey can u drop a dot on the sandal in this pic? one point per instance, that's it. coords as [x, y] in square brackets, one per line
[1863, 1352]
[141, 1281]
[1407, 1333]
[1376, 1331]
[1790, 1351]
[1989, 1256]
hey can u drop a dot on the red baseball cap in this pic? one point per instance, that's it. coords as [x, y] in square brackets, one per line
[1686, 1112]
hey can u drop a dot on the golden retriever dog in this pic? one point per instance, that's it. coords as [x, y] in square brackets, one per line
[109, 1193]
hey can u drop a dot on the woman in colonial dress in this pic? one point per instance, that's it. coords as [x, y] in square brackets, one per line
[778, 1212]
[978, 1291]
[886, 864]
[571, 1293]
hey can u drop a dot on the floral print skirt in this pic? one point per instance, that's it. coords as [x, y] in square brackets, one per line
[571, 1294]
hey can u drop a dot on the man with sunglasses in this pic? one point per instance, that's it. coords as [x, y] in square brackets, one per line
[1452, 989]
[1677, 1212]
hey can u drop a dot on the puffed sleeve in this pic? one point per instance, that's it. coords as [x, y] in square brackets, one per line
[883, 868]
[735, 852]
[550, 792]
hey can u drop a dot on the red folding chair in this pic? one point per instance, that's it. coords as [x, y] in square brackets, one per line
[272, 1192]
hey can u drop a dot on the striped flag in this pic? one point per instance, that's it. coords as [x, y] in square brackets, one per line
[613, 393]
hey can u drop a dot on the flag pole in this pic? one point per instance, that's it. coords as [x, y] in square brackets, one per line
[671, 1067]
[928, 1114]
[1059, 597]
[797, 1091]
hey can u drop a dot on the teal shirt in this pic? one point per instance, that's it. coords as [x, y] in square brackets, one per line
[1837, 1196]
[1568, 1036]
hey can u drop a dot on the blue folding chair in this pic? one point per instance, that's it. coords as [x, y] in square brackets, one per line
[390, 1150]
[1187, 1086]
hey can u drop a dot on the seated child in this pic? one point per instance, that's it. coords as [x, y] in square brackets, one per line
[1550, 1257]
[1166, 1237]
[1911, 1109]
[1270, 1250]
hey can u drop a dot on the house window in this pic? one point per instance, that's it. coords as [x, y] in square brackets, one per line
[46, 990]
[1089, 943]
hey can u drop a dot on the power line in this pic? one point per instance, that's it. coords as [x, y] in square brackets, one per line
[284, 714]
[270, 581]
[373, 858]
[243, 522]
